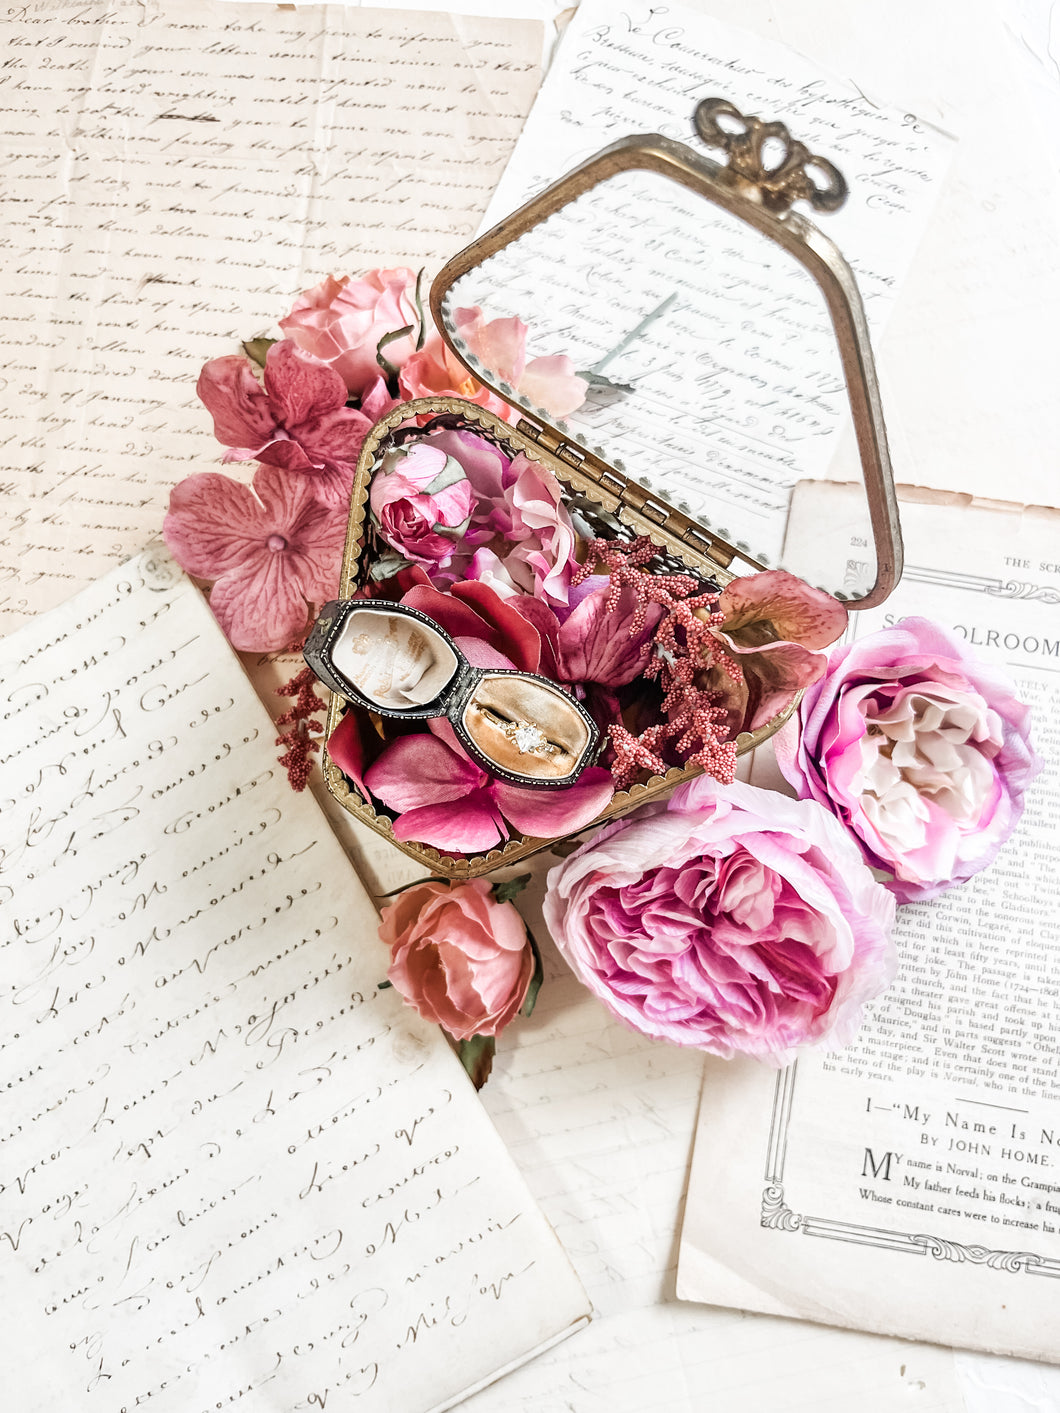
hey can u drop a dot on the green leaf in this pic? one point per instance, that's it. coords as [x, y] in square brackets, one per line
[387, 566]
[536, 980]
[256, 349]
[383, 985]
[418, 297]
[384, 363]
[510, 888]
[476, 1056]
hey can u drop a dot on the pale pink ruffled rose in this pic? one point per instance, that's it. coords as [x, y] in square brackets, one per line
[920, 750]
[341, 322]
[500, 345]
[459, 957]
[422, 500]
[731, 919]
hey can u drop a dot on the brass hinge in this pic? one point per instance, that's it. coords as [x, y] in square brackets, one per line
[548, 440]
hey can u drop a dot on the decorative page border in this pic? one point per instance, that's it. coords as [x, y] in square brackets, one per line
[778, 1216]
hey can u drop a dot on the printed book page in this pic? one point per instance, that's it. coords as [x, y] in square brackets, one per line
[233, 1170]
[911, 1183]
[173, 177]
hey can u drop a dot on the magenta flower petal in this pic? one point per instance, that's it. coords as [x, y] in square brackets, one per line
[299, 386]
[259, 606]
[595, 643]
[212, 525]
[784, 607]
[421, 770]
[236, 401]
[470, 825]
[546, 814]
[345, 749]
[521, 640]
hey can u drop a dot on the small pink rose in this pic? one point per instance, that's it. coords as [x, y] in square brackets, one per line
[459, 957]
[422, 501]
[922, 751]
[341, 322]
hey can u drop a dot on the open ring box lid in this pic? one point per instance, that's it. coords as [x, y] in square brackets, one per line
[693, 298]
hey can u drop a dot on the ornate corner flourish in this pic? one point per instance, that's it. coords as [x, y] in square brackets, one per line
[776, 1214]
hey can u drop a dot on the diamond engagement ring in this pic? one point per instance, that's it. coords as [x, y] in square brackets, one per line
[528, 740]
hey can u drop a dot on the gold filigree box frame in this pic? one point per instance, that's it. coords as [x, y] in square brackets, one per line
[759, 193]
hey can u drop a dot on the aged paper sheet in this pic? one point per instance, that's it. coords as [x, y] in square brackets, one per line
[735, 392]
[911, 1184]
[231, 1167]
[173, 177]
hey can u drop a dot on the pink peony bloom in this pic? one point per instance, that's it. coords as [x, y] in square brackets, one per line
[730, 919]
[422, 500]
[342, 321]
[459, 957]
[775, 625]
[500, 344]
[446, 800]
[298, 420]
[921, 751]
[272, 548]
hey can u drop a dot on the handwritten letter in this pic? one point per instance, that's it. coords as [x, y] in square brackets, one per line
[172, 179]
[737, 391]
[231, 1168]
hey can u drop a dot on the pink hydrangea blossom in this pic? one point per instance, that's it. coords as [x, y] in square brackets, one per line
[730, 919]
[922, 751]
[500, 345]
[272, 548]
[295, 419]
[341, 322]
[422, 500]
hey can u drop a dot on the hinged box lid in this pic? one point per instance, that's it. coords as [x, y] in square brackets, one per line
[722, 336]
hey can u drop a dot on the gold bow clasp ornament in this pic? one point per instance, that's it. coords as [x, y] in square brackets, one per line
[780, 182]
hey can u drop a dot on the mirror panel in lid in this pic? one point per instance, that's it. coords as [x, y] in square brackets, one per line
[724, 376]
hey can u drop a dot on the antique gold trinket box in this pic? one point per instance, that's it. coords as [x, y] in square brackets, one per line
[738, 369]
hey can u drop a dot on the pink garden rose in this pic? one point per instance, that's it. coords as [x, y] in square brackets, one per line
[422, 500]
[920, 750]
[341, 322]
[500, 344]
[521, 538]
[730, 919]
[459, 957]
